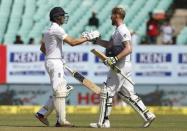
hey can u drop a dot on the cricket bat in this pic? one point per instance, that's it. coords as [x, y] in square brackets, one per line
[114, 68]
[87, 83]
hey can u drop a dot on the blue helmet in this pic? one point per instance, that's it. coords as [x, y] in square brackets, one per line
[56, 12]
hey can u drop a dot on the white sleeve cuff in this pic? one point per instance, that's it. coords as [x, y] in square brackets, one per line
[64, 36]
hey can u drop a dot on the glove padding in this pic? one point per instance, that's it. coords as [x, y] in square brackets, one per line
[110, 61]
[91, 35]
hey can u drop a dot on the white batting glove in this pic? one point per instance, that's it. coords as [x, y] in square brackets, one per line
[84, 34]
[91, 35]
[110, 61]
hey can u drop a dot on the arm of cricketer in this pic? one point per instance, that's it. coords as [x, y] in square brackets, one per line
[87, 37]
[108, 44]
[103, 43]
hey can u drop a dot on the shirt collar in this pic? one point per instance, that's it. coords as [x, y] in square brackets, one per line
[55, 24]
[119, 26]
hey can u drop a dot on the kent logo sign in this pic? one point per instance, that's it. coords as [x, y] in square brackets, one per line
[155, 57]
[26, 57]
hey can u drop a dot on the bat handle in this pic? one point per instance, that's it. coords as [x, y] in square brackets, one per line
[117, 70]
[68, 69]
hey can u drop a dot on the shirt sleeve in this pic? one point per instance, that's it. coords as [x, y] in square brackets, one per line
[125, 35]
[61, 34]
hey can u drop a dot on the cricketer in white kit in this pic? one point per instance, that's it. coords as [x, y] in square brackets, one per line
[54, 39]
[119, 50]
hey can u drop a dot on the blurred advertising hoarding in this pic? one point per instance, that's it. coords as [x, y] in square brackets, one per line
[38, 95]
[151, 64]
[160, 65]
[24, 94]
[25, 64]
[152, 95]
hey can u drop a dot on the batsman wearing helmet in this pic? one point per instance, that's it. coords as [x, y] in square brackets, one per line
[120, 54]
[54, 39]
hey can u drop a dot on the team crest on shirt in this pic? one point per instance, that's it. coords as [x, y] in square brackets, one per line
[125, 35]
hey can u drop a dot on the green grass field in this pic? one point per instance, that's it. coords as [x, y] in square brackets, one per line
[119, 123]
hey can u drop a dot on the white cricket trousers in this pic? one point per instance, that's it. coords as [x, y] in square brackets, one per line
[55, 70]
[115, 82]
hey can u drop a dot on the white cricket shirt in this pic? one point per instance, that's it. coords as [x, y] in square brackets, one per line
[120, 35]
[53, 39]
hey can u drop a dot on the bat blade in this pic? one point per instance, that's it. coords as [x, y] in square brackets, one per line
[92, 86]
[87, 83]
[99, 54]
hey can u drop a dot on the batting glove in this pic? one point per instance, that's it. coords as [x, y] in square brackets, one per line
[84, 34]
[111, 61]
[91, 35]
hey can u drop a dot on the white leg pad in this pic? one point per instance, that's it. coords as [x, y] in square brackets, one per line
[105, 107]
[136, 103]
[59, 104]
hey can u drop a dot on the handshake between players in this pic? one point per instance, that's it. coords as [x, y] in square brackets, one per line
[121, 47]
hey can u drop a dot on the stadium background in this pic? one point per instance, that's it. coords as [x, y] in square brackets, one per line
[160, 70]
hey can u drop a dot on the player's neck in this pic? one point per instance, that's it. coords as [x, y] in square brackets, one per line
[58, 22]
[119, 23]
